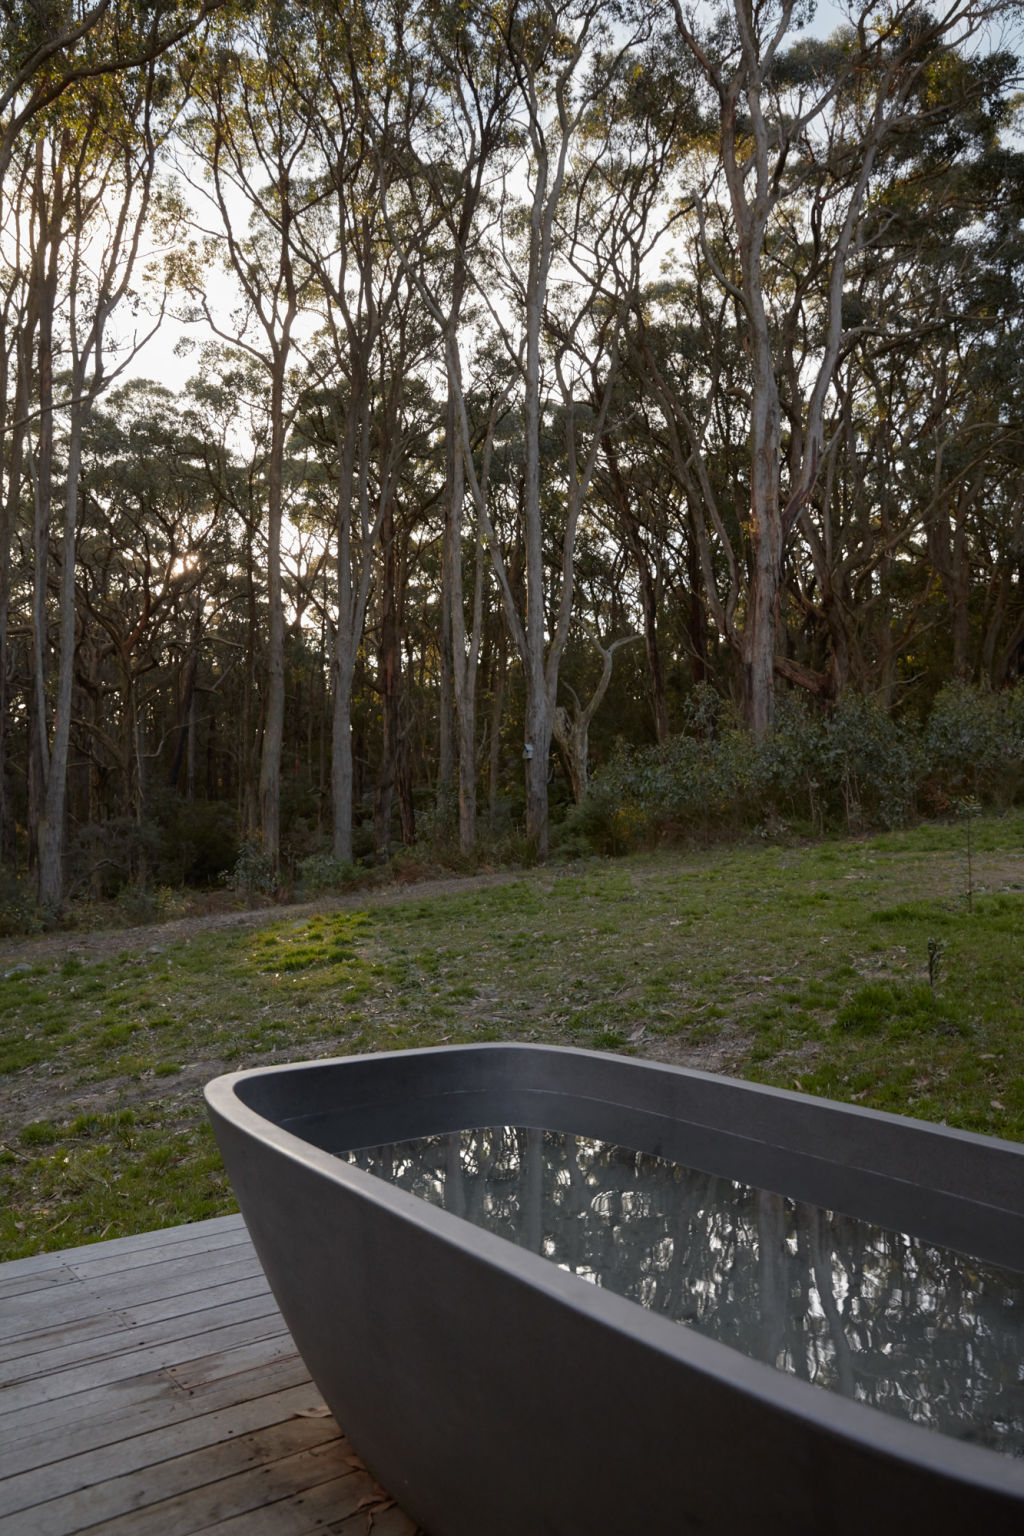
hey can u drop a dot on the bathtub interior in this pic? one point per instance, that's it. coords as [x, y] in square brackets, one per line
[963, 1192]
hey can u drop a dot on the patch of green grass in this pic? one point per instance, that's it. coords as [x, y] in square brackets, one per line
[794, 965]
[893, 1008]
[38, 1133]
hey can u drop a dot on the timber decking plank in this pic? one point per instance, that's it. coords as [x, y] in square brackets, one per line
[201, 1233]
[157, 1405]
[35, 1293]
[123, 1336]
[390, 1522]
[103, 1503]
[76, 1379]
[138, 1451]
[344, 1503]
[12, 1286]
[128, 1394]
[148, 1387]
[94, 1316]
[193, 1374]
[198, 1508]
[181, 1275]
[187, 1249]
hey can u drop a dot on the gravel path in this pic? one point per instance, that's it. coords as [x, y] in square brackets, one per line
[101, 943]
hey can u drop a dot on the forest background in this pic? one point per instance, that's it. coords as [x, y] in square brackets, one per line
[632, 383]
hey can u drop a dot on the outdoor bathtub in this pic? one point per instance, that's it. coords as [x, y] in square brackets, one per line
[494, 1393]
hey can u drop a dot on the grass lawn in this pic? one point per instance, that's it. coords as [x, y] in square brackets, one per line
[805, 966]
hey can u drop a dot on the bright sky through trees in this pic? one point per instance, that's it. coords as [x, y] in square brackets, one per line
[544, 365]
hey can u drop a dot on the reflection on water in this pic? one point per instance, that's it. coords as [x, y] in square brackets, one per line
[914, 1329]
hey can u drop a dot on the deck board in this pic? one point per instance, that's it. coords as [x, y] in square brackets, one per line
[148, 1387]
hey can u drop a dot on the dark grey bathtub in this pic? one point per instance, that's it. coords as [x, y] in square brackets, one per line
[495, 1394]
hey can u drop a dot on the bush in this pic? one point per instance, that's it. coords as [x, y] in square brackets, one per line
[703, 787]
[253, 873]
[199, 841]
[974, 746]
[19, 910]
[854, 769]
[104, 856]
[869, 764]
[321, 874]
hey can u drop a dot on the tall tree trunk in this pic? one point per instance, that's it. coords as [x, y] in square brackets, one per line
[446, 728]
[341, 752]
[539, 720]
[390, 683]
[273, 722]
[630, 530]
[352, 439]
[499, 671]
[465, 649]
[51, 827]
[765, 530]
[10, 494]
[572, 730]
[44, 291]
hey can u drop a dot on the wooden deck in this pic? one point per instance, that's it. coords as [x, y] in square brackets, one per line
[148, 1388]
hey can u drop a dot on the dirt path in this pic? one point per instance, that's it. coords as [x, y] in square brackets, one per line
[101, 943]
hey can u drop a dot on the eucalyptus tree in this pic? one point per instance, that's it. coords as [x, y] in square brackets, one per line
[781, 213]
[409, 496]
[580, 211]
[15, 345]
[154, 552]
[685, 356]
[228, 411]
[253, 143]
[921, 423]
[452, 141]
[368, 347]
[644, 515]
[47, 50]
[93, 195]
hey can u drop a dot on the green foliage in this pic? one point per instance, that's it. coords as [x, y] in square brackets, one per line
[321, 875]
[253, 873]
[855, 769]
[198, 840]
[974, 745]
[38, 1133]
[692, 786]
[19, 910]
[868, 760]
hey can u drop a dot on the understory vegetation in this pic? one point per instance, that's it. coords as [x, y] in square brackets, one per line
[855, 770]
[882, 969]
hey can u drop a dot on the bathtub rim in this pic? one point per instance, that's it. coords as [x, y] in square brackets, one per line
[873, 1430]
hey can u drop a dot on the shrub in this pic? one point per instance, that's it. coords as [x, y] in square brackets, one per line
[253, 873]
[321, 874]
[856, 768]
[19, 910]
[974, 746]
[869, 764]
[792, 774]
[703, 787]
[199, 840]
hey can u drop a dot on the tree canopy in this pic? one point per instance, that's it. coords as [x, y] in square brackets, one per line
[559, 361]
